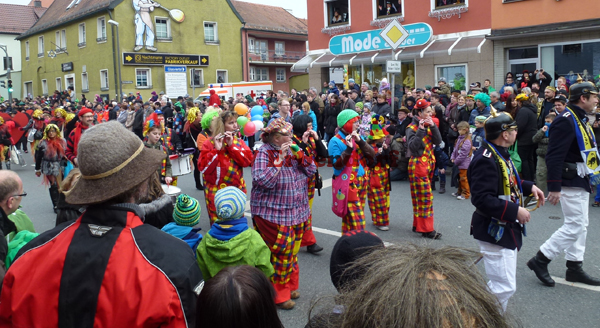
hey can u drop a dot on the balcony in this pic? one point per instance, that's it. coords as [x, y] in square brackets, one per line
[279, 58]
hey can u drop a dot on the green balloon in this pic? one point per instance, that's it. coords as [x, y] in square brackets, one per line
[241, 121]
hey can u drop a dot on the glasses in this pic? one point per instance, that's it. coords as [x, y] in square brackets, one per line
[21, 195]
[88, 116]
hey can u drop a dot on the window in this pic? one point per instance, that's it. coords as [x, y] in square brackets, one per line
[197, 77]
[261, 46]
[41, 46]
[104, 80]
[101, 37]
[259, 74]
[163, 28]
[337, 12]
[387, 8]
[456, 75]
[61, 40]
[26, 50]
[81, 35]
[569, 60]
[210, 33]
[58, 84]
[142, 78]
[251, 45]
[70, 81]
[45, 87]
[279, 48]
[280, 74]
[85, 84]
[221, 76]
[441, 4]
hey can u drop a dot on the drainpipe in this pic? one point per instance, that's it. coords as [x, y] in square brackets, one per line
[112, 30]
[243, 50]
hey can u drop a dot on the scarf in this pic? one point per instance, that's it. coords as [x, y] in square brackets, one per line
[587, 146]
[226, 230]
[77, 132]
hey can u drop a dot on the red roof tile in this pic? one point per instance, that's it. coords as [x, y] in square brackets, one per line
[269, 18]
[17, 19]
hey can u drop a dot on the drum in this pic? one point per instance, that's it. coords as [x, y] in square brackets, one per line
[181, 165]
[171, 191]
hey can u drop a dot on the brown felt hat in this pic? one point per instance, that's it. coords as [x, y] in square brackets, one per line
[112, 160]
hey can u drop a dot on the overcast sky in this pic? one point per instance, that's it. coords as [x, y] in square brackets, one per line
[298, 7]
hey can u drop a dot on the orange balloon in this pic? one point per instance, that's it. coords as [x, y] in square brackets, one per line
[241, 109]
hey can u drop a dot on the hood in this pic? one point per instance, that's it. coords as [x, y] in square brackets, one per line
[176, 230]
[156, 204]
[230, 251]
[212, 92]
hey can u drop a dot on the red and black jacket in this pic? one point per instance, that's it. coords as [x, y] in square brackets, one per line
[106, 269]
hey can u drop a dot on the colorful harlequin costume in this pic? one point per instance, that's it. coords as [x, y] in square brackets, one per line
[279, 205]
[379, 177]
[361, 154]
[5, 143]
[169, 140]
[222, 168]
[420, 168]
[49, 157]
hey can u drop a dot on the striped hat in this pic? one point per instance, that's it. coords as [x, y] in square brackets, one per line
[230, 203]
[187, 211]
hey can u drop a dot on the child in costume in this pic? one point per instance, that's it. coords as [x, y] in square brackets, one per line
[37, 122]
[222, 160]
[345, 145]
[186, 215]
[461, 157]
[153, 133]
[49, 155]
[230, 242]
[5, 144]
[379, 177]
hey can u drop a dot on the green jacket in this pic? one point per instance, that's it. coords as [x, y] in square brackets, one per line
[21, 221]
[247, 248]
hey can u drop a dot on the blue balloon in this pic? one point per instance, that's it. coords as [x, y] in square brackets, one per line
[257, 118]
[256, 110]
[264, 107]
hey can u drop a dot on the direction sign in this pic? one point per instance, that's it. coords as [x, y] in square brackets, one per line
[394, 34]
[393, 66]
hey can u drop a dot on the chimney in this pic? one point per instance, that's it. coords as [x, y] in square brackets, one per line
[37, 3]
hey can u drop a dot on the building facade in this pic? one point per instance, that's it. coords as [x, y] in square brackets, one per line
[108, 47]
[564, 40]
[271, 46]
[445, 39]
[16, 19]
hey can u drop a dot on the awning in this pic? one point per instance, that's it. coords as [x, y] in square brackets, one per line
[342, 60]
[304, 64]
[323, 60]
[452, 46]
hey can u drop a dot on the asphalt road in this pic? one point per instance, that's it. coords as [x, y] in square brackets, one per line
[533, 304]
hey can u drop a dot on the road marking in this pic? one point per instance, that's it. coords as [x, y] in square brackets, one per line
[576, 284]
[327, 231]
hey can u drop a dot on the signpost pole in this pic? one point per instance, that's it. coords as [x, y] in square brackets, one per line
[393, 86]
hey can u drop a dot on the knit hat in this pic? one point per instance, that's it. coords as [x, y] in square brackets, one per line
[345, 116]
[377, 124]
[480, 119]
[350, 80]
[84, 110]
[349, 248]
[332, 83]
[360, 105]
[187, 211]
[230, 203]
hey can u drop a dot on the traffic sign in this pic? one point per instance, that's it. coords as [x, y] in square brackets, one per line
[394, 34]
[393, 66]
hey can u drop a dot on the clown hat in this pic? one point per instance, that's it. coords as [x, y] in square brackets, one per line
[377, 127]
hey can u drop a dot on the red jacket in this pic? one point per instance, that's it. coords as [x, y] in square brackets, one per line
[107, 269]
[214, 164]
[214, 99]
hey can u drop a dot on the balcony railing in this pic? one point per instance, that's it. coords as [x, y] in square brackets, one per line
[288, 57]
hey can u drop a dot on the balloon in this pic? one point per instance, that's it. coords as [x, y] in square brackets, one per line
[257, 118]
[241, 109]
[256, 110]
[265, 106]
[241, 121]
[249, 129]
[259, 125]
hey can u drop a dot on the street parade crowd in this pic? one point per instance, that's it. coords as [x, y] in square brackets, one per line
[124, 253]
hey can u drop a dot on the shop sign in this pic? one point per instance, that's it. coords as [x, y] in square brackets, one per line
[127, 82]
[67, 66]
[393, 66]
[131, 58]
[418, 34]
[176, 81]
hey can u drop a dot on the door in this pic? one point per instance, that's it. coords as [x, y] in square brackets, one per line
[523, 59]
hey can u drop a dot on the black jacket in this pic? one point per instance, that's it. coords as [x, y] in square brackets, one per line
[138, 123]
[484, 181]
[563, 148]
[330, 118]
[382, 109]
[527, 124]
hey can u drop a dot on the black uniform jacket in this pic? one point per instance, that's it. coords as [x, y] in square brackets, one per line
[484, 180]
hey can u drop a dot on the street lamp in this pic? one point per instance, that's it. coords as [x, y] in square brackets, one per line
[116, 24]
[4, 47]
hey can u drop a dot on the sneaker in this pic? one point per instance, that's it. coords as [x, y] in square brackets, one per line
[460, 197]
[383, 228]
[138, 48]
[455, 194]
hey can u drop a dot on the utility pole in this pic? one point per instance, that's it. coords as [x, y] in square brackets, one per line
[10, 90]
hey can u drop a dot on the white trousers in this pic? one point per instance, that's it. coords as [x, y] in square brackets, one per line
[570, 238]
[501, 268]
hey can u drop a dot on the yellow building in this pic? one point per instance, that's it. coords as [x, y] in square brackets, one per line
[107, 47]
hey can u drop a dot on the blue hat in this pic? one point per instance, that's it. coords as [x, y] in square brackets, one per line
[230, 203]
[351, 81]
[332, 83]
[158, 112]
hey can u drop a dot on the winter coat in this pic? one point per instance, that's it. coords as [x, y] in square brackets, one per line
[334, 90]
[526, 124]
[541, 139]
[513, 85]
[477, 137]
[330, 118]
[382, 109]
[129, 120]
[247, 248]
[188, 234]
[475, 112]
[462, 156]
[159, 212]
